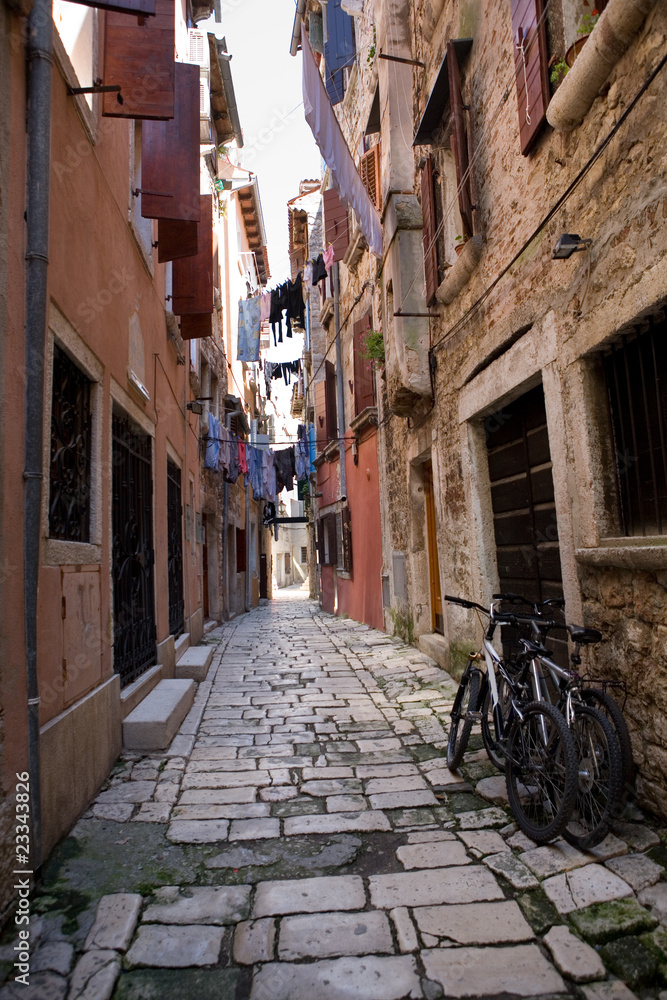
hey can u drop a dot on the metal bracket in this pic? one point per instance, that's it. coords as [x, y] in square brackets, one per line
[97, 88]
[398, 59]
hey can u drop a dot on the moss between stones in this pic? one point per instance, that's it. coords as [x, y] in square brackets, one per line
[603, 922]
[479, 769]
[466, 802]
[630, 961]
[298, 807]
[459, 654]
[539, 911]
[656, 944]
[423, 751]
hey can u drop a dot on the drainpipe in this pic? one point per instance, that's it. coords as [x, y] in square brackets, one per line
[40, 60]
[296, 28]
[225, 526]
[339, 383]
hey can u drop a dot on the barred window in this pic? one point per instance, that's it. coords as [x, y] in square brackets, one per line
[69, 487]
[636, 377]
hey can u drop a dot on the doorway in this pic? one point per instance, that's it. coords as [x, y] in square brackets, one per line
[175, 549]
[437, 622]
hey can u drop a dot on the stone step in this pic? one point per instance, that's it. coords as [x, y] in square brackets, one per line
[194, 662]
[181, 644]
[155, 721]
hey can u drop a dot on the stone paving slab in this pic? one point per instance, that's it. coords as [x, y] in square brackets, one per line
[368, 978]
[337, 823]
[475, 923]
[433, 855]
[489, 972]
[215, 905]
[164, 947]
[115, 920]
[312, 895]
[334, 934]
[432, 886]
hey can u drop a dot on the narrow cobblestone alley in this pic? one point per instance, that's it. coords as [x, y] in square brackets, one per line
[302, 839]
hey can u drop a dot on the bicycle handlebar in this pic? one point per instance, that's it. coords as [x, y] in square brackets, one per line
[462, 602]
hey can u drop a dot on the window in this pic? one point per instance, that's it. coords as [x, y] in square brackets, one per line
[369, 168]
[240, 550]
[346, 539]
[77, 26]
[364, 376]
[304, 554]
[143, 228]
[636, 379]
[336, 223]
[339, 48]
[326, 540]
[69, 488]
[330, 401]
[529, 36]
[288, 564]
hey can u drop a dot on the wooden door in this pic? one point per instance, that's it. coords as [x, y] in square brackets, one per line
[432, 545]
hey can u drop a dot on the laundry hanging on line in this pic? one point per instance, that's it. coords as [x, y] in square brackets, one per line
[287, 298]
[249, 326]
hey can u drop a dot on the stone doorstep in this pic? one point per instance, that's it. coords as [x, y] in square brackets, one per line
[195, 662]
[156, 720]
[181, 644]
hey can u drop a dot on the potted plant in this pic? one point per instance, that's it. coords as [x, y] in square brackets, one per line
[372, 348]
[586, 25]
[460, 243]
[558, 72]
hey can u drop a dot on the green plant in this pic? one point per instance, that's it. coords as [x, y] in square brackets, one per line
[588, 22]
[558, 71]
[370, 58]
[462, 239]
[372, 346]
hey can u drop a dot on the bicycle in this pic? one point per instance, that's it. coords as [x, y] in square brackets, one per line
[541, 760]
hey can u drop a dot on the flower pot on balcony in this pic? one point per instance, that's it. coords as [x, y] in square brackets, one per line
[575, 49]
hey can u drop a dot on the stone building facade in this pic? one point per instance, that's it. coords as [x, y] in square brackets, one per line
[522, 416]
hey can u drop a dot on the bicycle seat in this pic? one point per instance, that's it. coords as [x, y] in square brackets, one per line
[583, 636]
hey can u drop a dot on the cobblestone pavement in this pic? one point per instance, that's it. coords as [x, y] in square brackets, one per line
[302, 839]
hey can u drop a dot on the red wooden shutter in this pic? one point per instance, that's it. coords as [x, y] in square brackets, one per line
[331, 417]
[460, 141]
[139, 56]
[428, 237]
[143, 8]
[529, 32]
[320, 415]
[364, 377]
[336, 226]
[192, 279]
[346, 539]
[170, 154]
[175, 239]
[196, 326]
[369, 168]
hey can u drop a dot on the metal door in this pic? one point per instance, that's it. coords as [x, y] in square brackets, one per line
[133, 557]
[175, 548]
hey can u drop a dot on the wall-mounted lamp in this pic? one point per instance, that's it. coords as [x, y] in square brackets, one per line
[568, 244]
[195, 407]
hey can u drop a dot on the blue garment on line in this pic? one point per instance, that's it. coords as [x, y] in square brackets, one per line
[213, 444]
[249, 324]
[254, 459]
[311, 447]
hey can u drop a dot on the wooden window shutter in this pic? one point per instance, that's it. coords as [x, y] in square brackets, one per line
[321, 439]
[192, 277]
[338, 49]
[369, 168]
[336, 225]
[139, 56]
[320, 541]
[459, 141]
[333, 541]
[364, 376]
[142, 8]
[175, 239]
[347, 539]
[197, 326]
[429, 231]
[529, 35]
[331, 416]
[170, 154]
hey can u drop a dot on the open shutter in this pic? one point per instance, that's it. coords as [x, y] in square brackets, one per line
[333, 540]
[170, 154]
[429, 231]
[139, 56]
[364, 380]
[459, 141]
[369, 168]
[197, 326]
[330, 401]
[336, 225]
[192, 278]
[175, 239]
[143, 8]
[338, 49]
[529, 34]
[320, 415]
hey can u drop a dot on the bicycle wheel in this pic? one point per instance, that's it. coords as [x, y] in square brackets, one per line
[600, 777]
[460, 727]
[492, 746]
[612, 712]
[541, 771]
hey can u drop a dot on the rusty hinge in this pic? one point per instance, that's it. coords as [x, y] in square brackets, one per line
[63, 610]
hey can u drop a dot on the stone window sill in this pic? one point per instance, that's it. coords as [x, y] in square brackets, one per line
[58, 552]
[367, 418]
[459, 275]
[624, 553]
